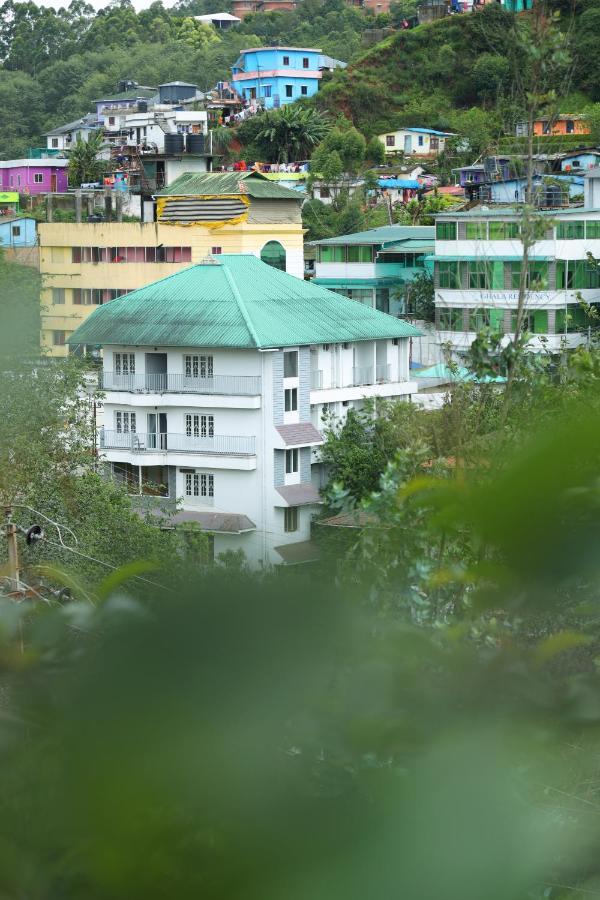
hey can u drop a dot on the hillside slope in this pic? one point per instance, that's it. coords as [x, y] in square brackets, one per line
[423, 75]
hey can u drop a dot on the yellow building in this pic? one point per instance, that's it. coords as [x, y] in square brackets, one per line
[86, 264]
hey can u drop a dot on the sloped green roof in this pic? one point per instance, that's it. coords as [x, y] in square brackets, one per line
[235, 301]
[383, 235]
[456, 373]
[255, 184]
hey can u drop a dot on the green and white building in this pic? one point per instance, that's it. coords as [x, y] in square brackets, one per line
[375, 267]
[216, 380]
[477, 268]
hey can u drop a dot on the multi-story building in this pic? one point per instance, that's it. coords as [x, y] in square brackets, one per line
[274, 76]
[215, 382]
[478, 258]
[87, 264]
[243, 8]
[375, 267]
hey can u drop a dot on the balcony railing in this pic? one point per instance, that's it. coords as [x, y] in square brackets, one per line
[364, 375]
[150, 442]
[239, 385]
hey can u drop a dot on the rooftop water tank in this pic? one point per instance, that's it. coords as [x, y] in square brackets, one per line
[176, 91]
[194, 143]
[173, 144]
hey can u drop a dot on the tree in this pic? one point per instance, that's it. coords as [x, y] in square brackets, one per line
[290, 133]
[375, 152]
[84, 164]
[420, 296]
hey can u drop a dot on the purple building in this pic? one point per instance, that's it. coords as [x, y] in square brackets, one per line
[34, 176]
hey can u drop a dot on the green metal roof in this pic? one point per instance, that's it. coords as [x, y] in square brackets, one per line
[235, 300]
[383, 235]
[202, 183]
[409, 245]
[455, 373]
[512, 211]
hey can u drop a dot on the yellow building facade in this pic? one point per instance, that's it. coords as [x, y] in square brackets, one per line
[86, 264]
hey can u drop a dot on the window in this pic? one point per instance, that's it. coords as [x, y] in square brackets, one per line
[290, 519]
[359, 254]
[450, 319]
[125, 422]
[199, 485]
[484, 275]
[131, 254]
[576, 275]
[479, 319]
[198, 366]
[304, 90]
[434, 143]
[570, 231]
[390, 140]
[476, 231]
[289, 90]
[124, 363]
[54, 143]
[332, 254]
[534, 321]
[449, 275]
[273, 254]
[286, 60]
[267, 90]
[592, 230]
[291, 399]
[504, 231]
[570, 126]
[445, 231]
[16, 230]
[420, 140]
[111, 120]
[291, 461]
[305, 62]
[58, 296]
[59, 338]
[150, 480]
[197, 425]
[216, 251]
[38, 178]
[324, 193]
[290, 364]
[537, 276]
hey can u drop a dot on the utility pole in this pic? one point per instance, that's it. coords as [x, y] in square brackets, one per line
[10, 530]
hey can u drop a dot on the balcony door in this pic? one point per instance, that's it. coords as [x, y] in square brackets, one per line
[156, 371]
[157, 431]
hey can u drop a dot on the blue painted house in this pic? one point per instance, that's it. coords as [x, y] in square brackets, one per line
[580, 160]
[17, 231]
[274, 76]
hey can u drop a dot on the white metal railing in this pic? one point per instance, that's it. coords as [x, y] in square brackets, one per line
[143, 442]
[362, 375]
[240, 385]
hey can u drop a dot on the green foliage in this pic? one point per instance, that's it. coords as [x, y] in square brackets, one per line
[289, 133]
[84, 164]
[420, 296]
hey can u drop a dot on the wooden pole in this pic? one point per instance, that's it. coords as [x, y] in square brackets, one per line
[13, 549]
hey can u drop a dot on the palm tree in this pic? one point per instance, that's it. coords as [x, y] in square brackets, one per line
[291, 132]
[84, 165]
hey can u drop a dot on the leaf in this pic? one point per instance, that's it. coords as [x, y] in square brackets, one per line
[122, 574]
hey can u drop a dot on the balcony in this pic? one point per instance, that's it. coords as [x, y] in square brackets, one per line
[140, 442]
[236, 385]
[364, 375]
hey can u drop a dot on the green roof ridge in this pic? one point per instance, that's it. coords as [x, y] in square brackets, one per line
[241, 305]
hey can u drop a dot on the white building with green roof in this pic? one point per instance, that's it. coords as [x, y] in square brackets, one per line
[216, 380]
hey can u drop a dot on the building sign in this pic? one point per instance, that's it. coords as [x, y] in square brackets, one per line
[9, 197]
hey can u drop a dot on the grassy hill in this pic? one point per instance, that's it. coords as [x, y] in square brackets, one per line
[429, 74]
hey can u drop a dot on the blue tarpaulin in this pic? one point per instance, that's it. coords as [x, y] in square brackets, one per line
[408, 183]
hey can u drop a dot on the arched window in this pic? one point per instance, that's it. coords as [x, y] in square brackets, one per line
[273, 254]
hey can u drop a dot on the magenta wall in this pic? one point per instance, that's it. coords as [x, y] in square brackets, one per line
[22, 179]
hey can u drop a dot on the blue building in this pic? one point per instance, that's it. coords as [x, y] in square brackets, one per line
[274, 76]
[17, 231]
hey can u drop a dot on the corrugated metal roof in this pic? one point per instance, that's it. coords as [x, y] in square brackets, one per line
[383, 235]
[210, 183]
[235, 301]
